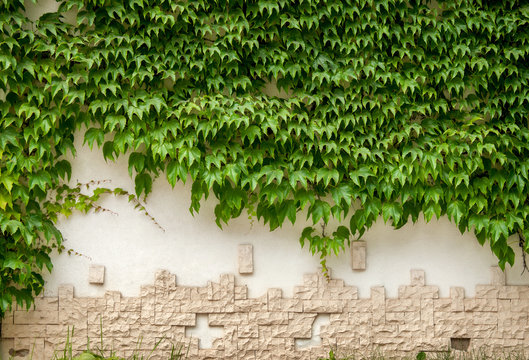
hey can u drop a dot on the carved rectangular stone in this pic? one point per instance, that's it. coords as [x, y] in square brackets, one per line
[65, 292]
[358, 306]
[268, 318]
[288, 305]
[214, 292]
[241, 292]
[164, 280]
[485, 318]
[513, 292]
[481, 304]
[427, 317]
[520, 305]
[305, 292]
[423, 292]
[457, 295]
[245, 259]
[181, 319]
[130, 304]
[36, 317]
[96, 274]
[442, 305]
[360, 318]
[396, 305]
[248, 330]
[417, 278]
[227, 319]
[15, 331]
[246, 344]
[47, 303]
[113, 300]
[147, 293]
[497, 276]
[33, 346]
[323, 306]
[251, 305]
[378, 297]
[402, 317]
[358, 255]
[487, 291]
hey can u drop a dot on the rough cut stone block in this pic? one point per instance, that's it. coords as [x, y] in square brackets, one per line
[423, 292]
[268, 318]
[378, 297]
[358, 255]
[481, 305]
[248, 331]
[487, 291]
[323, 306]
[65, 292]
[457, 295]
[245, 259]
[164, 280]
[227, 319]
[417, 278]
[497, 276]
[47, 303]
[241, 292]
[305, 292]
[96, 274]
[36, 317]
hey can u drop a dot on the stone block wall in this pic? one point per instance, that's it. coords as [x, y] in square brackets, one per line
[273, 326]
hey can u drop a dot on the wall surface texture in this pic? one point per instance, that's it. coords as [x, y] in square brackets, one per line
[271, 301]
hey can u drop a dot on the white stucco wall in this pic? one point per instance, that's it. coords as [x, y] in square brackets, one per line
[132, 247]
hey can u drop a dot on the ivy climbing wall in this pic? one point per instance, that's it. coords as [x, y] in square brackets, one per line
[321, 121]
[274, 326]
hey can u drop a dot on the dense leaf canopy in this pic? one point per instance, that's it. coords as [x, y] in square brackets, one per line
[386, 108]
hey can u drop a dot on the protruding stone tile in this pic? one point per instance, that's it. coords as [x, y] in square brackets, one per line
[241, 292]
[248, 331]
[113, 300]
[422, 292]
[65, 292]
[417, 278]
[164, 281]
[324, 306]
[268, 318]
[37, 317]
[487, 291]
[378, 298]
[96, 274]
[227, 319]
[33, 347]
[148, 301]
[358, 255]
[47, 303]
[214, 292]
[497, 276]
[481, 305]
[457, 295]
[245, 259]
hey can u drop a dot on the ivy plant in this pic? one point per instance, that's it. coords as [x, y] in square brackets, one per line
[386, 108]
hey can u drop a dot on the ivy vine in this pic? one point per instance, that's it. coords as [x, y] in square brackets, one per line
[391, 108]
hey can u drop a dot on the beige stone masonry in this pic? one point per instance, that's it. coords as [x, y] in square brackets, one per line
[267, 327]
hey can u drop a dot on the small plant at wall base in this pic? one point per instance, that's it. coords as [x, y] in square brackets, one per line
[393, 109]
